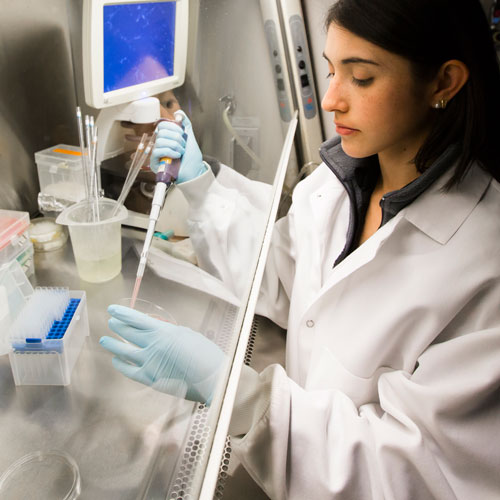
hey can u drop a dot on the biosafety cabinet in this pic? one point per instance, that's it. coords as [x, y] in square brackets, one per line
[102, 435]
[247, 85]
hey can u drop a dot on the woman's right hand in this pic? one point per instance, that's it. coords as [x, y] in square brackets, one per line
[170, 358]
[173, 142]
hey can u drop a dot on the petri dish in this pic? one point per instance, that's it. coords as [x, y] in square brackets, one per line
[149, 308]
[46, 235]
[41, 475]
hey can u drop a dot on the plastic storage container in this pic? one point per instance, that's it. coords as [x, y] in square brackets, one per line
[15, 290]
[48, 358]
[60, 174]
[46, 235]
[15, 243]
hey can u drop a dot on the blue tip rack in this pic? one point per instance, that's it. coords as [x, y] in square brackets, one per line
[50, 360]
[55, 334]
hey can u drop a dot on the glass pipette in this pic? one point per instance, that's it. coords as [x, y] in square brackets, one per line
[140, 157]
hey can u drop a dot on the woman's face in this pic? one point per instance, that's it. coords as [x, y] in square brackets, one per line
[377, 106]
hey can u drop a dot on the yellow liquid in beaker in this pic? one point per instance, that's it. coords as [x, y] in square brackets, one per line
[97, 271]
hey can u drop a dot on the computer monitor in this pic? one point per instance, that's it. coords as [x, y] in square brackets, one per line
[132, 49]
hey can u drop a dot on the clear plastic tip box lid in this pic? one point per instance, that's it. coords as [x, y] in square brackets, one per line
[61, 177]
[42, 330]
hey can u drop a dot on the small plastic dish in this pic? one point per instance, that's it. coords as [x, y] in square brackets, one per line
[150, 309]
[41, 475]
[46, 235]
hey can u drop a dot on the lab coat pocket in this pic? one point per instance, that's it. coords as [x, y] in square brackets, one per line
[328, 373]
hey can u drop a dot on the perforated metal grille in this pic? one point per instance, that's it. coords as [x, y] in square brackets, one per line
[197, 443]
[224, 466]
[220, 333]
[194, 452]
[251, 341]
[226, 333]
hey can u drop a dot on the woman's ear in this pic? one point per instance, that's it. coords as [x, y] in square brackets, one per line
[451, 77]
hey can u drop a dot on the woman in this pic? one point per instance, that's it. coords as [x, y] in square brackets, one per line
[385, 272]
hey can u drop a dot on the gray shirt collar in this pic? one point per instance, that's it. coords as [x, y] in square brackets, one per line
[359, 175]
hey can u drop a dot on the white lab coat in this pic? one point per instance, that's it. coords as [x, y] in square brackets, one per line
[391, 389]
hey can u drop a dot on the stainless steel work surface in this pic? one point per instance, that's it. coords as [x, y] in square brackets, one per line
[127, 439]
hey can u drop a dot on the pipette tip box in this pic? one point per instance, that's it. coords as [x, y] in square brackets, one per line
[50, 360]
[46, 352]
[14, 240]
[61, 178]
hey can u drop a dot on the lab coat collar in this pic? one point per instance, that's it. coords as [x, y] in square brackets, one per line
[426, 204]
[360, 174]
[440, 213]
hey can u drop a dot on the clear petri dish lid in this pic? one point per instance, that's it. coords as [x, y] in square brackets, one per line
[41, 475]
[149, 308]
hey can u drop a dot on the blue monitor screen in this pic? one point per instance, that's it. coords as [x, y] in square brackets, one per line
[138, 43]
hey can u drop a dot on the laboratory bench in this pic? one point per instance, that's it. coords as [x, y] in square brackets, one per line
[128, 440]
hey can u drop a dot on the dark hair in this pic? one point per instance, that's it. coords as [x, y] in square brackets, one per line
[428, 33]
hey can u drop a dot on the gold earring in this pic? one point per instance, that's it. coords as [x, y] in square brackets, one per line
[441, 104]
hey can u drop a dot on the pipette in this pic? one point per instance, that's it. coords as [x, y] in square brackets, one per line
[168, 171]
[140, 157]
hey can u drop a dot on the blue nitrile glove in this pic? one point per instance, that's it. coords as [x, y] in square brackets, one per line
[172, 142]
[170, 358]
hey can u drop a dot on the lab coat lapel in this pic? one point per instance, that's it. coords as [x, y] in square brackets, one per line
[329, 218]
[357, 259]
[435, 213]
[326, 203]
[361, 256]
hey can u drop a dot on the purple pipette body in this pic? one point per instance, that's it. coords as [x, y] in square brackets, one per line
[168, 169]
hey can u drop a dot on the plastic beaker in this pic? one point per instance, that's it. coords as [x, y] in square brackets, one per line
[96, 238]
[152, 310]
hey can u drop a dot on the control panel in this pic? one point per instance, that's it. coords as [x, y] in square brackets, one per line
[303, 62]
[278, 70]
